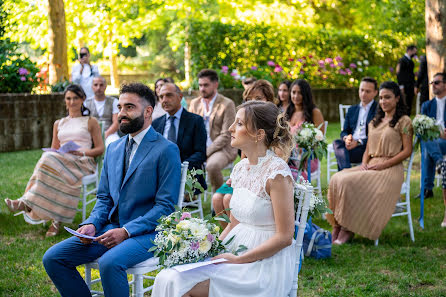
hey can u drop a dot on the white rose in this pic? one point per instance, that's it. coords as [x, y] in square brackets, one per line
[319, 136]
[183, 225]
[205, 246]
[306, 132]
[198, 230]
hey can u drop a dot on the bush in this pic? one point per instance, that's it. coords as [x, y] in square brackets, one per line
[17, 72]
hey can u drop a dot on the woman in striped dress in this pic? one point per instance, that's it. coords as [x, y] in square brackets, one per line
[53, 190]
[363, 198]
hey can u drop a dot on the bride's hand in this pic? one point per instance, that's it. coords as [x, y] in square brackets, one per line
[232, 259]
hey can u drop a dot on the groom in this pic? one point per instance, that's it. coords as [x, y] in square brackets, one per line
[139, 183]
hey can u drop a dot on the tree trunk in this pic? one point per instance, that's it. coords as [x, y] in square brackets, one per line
[57, 43]
[435, 33]
[114, 76]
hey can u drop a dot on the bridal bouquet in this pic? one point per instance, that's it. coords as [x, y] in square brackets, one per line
[318, 205]
[426, 127]
[311, 139]
[182, 239]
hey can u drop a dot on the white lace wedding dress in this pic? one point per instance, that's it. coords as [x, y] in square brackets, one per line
[252, 207]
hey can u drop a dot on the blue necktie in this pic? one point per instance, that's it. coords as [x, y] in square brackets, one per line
[128, 152]
[172, 135]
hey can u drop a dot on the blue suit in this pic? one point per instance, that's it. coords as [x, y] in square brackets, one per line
[148, 190]
[432, 151]
[345, 157]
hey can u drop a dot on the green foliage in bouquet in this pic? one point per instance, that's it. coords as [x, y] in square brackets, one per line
[312, 141]
[318, 204]
[193, 186]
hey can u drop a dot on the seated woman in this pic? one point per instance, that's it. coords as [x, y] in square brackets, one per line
[260, 90]
[262, 217]
[283, 95]
[363, 198]
[53, 190]
[302, 109]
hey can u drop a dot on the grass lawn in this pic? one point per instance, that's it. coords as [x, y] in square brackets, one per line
[397, 267]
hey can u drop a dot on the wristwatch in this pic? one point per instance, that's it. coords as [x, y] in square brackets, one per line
[360, 142]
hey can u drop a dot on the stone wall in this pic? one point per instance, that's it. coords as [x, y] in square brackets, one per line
[26, 121]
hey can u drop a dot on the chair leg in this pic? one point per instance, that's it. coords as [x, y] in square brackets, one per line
[88, 276]
[409, 216]
[200, 206]
[138, 285]
[84, 202]
[376, 242]
[328, 167]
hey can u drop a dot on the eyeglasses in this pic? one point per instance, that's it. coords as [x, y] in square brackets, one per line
[436, 82]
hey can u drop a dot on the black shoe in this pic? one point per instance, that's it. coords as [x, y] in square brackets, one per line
[427, 194]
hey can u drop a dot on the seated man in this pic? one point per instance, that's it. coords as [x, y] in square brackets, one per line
[350, 148]
[218, 113]
[433, 151]
[104, 108]
[182, 127]
[139, 183]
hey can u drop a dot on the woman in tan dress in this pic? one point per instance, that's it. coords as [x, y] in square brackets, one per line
[53, 190]
[363, 198]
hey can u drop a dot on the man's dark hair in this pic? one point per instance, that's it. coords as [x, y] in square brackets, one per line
[443, 75]
[143, 91]
[370, 80]
[411, 47]
[209, 73]
[85, 48]
[169, 80]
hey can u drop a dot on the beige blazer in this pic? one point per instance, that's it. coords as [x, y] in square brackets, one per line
[222, 117]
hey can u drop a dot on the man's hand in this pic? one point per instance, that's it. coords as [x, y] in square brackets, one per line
[352, 144]
[89, 230]
[112, 237]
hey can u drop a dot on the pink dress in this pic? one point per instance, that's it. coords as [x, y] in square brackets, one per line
[295, 167]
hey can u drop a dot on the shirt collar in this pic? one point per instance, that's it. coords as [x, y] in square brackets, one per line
[441, 99]
[212, 101]
[408, 56]
[177, 115]
[139, 137]
[367, 106]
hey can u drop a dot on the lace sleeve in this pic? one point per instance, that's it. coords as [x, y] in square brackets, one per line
[277, 167]
[235, 174]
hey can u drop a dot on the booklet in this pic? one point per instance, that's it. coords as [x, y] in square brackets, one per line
[66, 148]
[75, 233]
[186, 267]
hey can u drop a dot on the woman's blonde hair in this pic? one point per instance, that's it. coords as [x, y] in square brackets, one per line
[267, 116]
[263, 86]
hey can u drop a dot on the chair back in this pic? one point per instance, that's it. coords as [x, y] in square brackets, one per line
[343, 108]
[184, 167]
[407, 170]
[303, 194]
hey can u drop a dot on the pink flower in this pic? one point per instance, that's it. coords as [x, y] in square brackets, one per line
[185, 215]
[271, 63]
[233, 73]
[352, 65]
[340, 64]
[254, 67]
[224, 69]
[348, 71]
[210, 237]
[22, 78]
[301, 72]
[195, 245]
[338, 58]
[342, 72]
[23, 71]
[332, 65]
[310, 56]
[278, 69]
[391, 69]
[328, 60]
[300, 60]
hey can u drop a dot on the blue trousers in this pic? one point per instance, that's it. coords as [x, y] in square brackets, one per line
[432, 152]
[345, 157]
[60, 263]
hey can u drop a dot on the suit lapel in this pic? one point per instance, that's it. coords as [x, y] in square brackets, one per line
[355, 116]
[163, 124]
[143, 149]
[183, 120]
[119, 169]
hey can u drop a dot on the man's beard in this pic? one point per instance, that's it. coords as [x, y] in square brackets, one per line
[133, 125]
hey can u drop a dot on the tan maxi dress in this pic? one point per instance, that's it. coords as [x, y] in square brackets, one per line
[54, 188]
[363, 201]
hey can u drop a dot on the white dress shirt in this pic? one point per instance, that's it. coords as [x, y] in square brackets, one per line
[138, 138]
[176, 123]
[85, 79]
[361, 124]
[206, 118]
[440, 111]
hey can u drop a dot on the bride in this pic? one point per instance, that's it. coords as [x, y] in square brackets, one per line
[262, 217]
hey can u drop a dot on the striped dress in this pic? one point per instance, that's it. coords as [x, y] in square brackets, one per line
[364, 201]
[54, 188]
